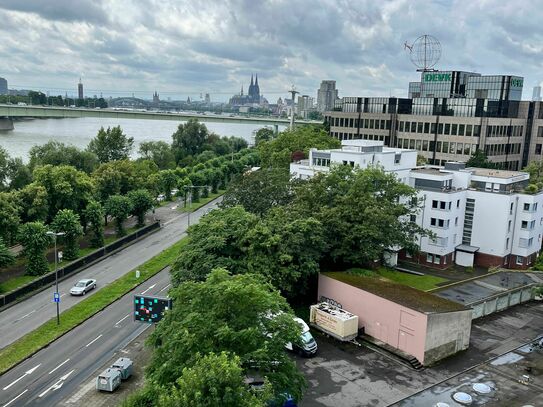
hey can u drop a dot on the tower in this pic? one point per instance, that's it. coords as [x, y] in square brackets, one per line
[257, 90]
[80, 89]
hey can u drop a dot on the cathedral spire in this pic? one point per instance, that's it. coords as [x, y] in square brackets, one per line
[251, 79]
[256, 82]
[241, 90]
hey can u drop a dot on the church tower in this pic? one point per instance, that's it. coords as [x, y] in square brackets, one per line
[256, 91]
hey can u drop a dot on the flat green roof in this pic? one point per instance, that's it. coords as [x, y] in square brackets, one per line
[401, 294]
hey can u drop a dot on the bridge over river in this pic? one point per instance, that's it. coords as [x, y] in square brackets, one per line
[8, 112]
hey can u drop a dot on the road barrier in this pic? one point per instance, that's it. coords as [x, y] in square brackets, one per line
[75, 266]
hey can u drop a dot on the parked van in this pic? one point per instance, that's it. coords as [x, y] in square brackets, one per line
[307, 345]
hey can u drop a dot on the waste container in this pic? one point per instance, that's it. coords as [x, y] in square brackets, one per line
[108, 380]
[124, 366]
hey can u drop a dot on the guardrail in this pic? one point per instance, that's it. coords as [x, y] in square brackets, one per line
[75, 266]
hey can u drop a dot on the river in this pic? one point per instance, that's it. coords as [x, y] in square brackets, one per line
[80, 131]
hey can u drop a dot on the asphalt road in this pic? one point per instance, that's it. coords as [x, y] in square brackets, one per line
[27, 315]
[55, 372]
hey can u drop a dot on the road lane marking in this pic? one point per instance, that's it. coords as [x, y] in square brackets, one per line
[94, 340]
[153, 286]
[165, 288]
[12, 400]
[62, 295]
[24, 316]
[26, 374]
[57, 385]
[121, 320]
[59, 365]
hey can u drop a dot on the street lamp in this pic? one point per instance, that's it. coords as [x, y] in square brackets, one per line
[50, 233]
[190, 197]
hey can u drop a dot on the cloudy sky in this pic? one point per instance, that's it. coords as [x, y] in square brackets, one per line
[190, 47]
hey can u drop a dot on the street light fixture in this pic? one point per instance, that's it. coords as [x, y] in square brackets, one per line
[57, 300]
[190, 197]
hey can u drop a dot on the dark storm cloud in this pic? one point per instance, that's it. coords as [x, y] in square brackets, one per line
[173, 46]
[61, 10]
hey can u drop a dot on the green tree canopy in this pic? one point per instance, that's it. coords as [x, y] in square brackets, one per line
[119, 207]
[286, 250]
[159, 152]
[215, 380]
[66, 187]
[259, 191]
[9, 217]
[33, 237]
[67, 221]
[4, 168]
[168, 181]
[94, 214]
[363, 212]
[56, 153]
[33, 202]
[227, 314]
[189, 139]
[216, 241]
[278, 152]
[142, 202]
[480, 160]
[264, 134]
[18, 173]
[119, 178]
[6, 257]
[111, 145]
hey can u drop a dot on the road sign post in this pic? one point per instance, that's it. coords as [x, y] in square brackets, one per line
[56, 297]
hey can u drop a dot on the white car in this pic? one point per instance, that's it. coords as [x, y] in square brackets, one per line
[83, 286]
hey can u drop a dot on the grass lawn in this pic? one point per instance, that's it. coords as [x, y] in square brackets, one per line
[15, 283]
[69, 319]
[423, 283]
[197, 205]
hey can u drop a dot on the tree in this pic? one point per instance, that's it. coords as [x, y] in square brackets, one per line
[66, 187]
[218, 240]
[4, 162]
[421, 160]
[215, 380]
[286, 250]
[119, 177]
[189, 139]
[9, 217]
[6, 257]
[34, 203]
[314, 115]
[18, 173]
[263, 134]
[259, 191]
[363, 212]
[535, 169]
[119, 207]
[159, 152]
[241, 315]
[480, 160]
[94, 214]
[278, 152]
[68, 222]
[168, 181]
[33, 237]
[142, 202]
[56, 153]
[111, 145]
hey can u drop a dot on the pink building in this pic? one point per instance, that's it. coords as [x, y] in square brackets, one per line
[418, 323]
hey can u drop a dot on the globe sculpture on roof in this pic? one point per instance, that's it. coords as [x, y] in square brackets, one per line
[424, 52]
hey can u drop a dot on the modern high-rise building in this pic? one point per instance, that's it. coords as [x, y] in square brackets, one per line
[326, 96]
[3, 86]
[305, 105]
[536, 95]
[448, 117]
[80, 89]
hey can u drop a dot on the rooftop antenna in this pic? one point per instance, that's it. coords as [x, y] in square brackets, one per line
[424, 53]
[293, 92]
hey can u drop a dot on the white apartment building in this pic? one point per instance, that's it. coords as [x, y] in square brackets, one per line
[478, 216]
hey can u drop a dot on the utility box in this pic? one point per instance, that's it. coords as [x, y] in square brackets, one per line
[124, 366]
[334, 321]
[108, 380]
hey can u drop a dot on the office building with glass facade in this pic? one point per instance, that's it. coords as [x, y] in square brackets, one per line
[441, 128]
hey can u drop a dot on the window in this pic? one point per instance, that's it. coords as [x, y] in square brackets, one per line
[524, 224]
[527, 207]
[437, 259]
[456, 221]
[507, 244]
[520, 260]
[523, 242]
[429, 258]
[408, 255]
[435, 203]
[511, 209]
[509, 227]
[442, 205]
[413, 218]
[458, 203]
[433, 221]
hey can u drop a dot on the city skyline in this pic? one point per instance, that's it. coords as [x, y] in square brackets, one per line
[212, 48]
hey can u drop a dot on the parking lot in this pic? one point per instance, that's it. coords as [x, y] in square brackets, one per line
[347, 375]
